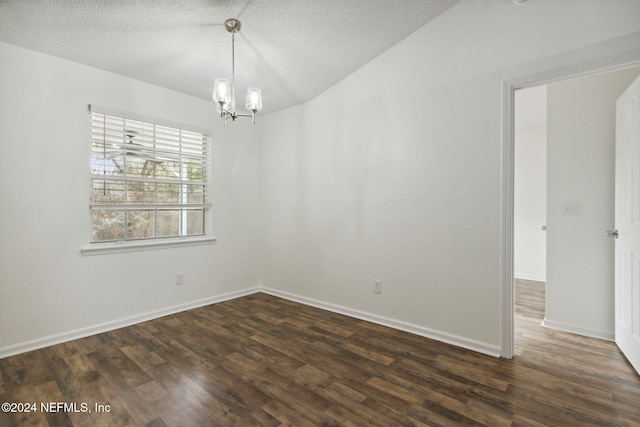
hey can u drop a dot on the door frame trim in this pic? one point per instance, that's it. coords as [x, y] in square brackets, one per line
[612, 55]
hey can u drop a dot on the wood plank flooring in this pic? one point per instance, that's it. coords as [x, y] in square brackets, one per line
[264, 361]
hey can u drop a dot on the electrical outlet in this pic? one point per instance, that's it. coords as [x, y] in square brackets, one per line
[377, 286]
[179, 279]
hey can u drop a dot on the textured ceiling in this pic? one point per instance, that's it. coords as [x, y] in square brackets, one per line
[291, 49]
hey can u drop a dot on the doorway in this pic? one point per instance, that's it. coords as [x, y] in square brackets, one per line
[530, 207]
[569, 212]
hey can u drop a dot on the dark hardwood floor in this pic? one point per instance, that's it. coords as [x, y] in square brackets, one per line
[260, 360]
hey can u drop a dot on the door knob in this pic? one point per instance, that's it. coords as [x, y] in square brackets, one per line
[612, 233]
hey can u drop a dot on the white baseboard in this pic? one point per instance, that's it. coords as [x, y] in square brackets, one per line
[458, 341]
[579, 330]
[531, 277]
[480, 347]
[36, 344]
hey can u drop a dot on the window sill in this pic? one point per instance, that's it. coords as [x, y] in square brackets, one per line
[117, 247]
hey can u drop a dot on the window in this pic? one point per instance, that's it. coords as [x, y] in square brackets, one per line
[148, 180]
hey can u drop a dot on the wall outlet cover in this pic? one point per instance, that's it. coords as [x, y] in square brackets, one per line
[377, 286]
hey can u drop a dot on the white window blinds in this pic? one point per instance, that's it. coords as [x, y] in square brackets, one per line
[149, 180]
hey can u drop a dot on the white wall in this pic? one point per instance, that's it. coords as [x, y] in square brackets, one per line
[581, 166]
[47, 287]
[530, 183]
[392, 174]
[395, 172]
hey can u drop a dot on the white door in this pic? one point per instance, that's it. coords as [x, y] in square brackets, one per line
[627, 206]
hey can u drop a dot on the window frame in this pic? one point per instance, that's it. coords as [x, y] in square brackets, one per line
[201, 154]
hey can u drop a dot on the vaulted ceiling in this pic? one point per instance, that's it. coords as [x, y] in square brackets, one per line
[291, 49]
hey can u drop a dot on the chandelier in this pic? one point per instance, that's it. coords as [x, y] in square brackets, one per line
[224, 93]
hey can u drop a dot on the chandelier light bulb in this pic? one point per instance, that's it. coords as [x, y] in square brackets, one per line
[254, 100]
[222, 91]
